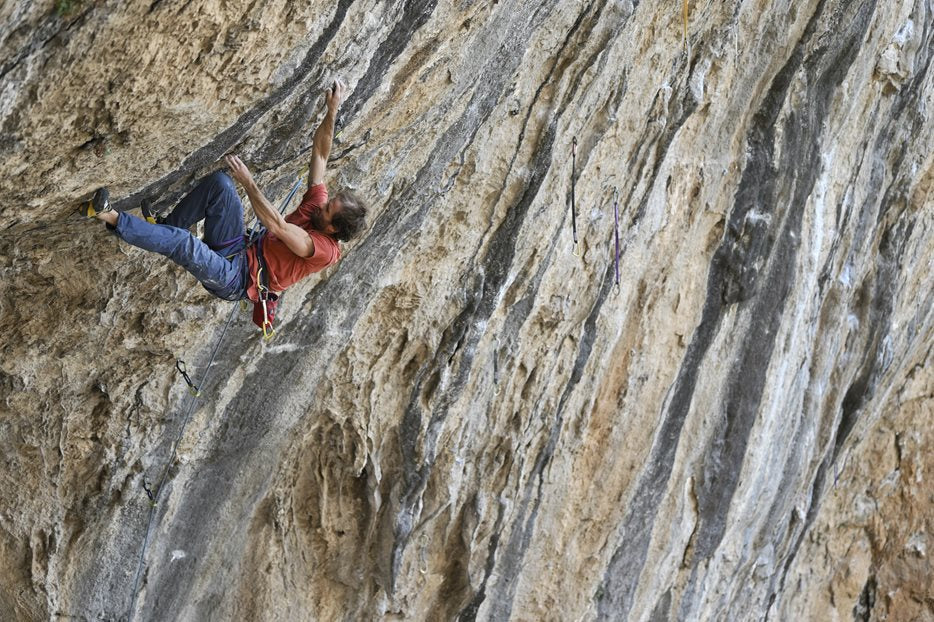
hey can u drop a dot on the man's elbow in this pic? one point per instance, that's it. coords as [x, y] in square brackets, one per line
[273, 228]
[303, 247]
[278, 229]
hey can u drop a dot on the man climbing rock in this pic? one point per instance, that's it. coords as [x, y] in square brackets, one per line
[293, 246]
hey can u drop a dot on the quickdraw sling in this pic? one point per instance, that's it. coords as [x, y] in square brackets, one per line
[264, 310]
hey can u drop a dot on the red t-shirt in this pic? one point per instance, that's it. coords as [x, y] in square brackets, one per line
[285, 267]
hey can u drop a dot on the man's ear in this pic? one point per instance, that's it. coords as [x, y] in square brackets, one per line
[330, 229]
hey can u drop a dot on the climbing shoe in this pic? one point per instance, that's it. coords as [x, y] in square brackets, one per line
[98, 204]
[149, 214]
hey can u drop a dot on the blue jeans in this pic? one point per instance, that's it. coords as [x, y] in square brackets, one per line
[216, 260]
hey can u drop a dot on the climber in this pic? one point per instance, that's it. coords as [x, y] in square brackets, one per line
[293, 246]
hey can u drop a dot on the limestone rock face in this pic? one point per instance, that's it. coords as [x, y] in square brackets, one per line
[467, 418]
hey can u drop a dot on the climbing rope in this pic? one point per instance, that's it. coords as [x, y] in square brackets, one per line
[573, 189]
[154, 494]
[195, 394]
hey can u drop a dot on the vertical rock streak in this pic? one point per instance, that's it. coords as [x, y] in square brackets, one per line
[733, 278]
[522, 531]
[465, 332]
[883, 298]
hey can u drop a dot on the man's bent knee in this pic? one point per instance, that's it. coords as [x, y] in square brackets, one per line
[221, 181]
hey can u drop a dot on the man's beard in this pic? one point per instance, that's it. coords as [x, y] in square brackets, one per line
[315, 219]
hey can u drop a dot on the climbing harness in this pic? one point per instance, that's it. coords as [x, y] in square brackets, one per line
[183, 370]
[195, 394]
[573, 207]
[616, 233]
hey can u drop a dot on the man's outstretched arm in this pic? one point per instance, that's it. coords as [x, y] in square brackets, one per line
[294, 237]
[325, 132]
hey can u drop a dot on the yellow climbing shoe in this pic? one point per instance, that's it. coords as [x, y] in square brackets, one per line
[98, 204]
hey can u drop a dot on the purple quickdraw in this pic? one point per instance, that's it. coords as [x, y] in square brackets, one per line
[573, 209]
[616, 232]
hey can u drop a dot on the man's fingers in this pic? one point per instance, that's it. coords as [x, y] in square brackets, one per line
[336, 90]
[237, 168]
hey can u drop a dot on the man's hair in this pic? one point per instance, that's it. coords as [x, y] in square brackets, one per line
[351, 219]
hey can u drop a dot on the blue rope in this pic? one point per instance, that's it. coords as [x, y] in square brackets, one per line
[154, 494]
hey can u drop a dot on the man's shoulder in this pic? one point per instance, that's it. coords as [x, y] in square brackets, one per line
[327, 249]
[315, 196]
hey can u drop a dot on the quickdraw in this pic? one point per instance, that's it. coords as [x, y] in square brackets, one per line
[268, 331]
[616, 233]
[183, 370]
[573, 189]
[149, 493]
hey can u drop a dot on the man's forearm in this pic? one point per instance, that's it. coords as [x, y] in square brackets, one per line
[295, 238]
[324, 134]
[265, 212]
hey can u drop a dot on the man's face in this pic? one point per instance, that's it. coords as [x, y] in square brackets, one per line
[321, 217]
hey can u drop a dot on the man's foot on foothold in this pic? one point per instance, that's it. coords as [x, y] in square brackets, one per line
[99, 204]
[149, 214]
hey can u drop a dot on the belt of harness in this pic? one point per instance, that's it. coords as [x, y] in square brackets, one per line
[264, 310]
